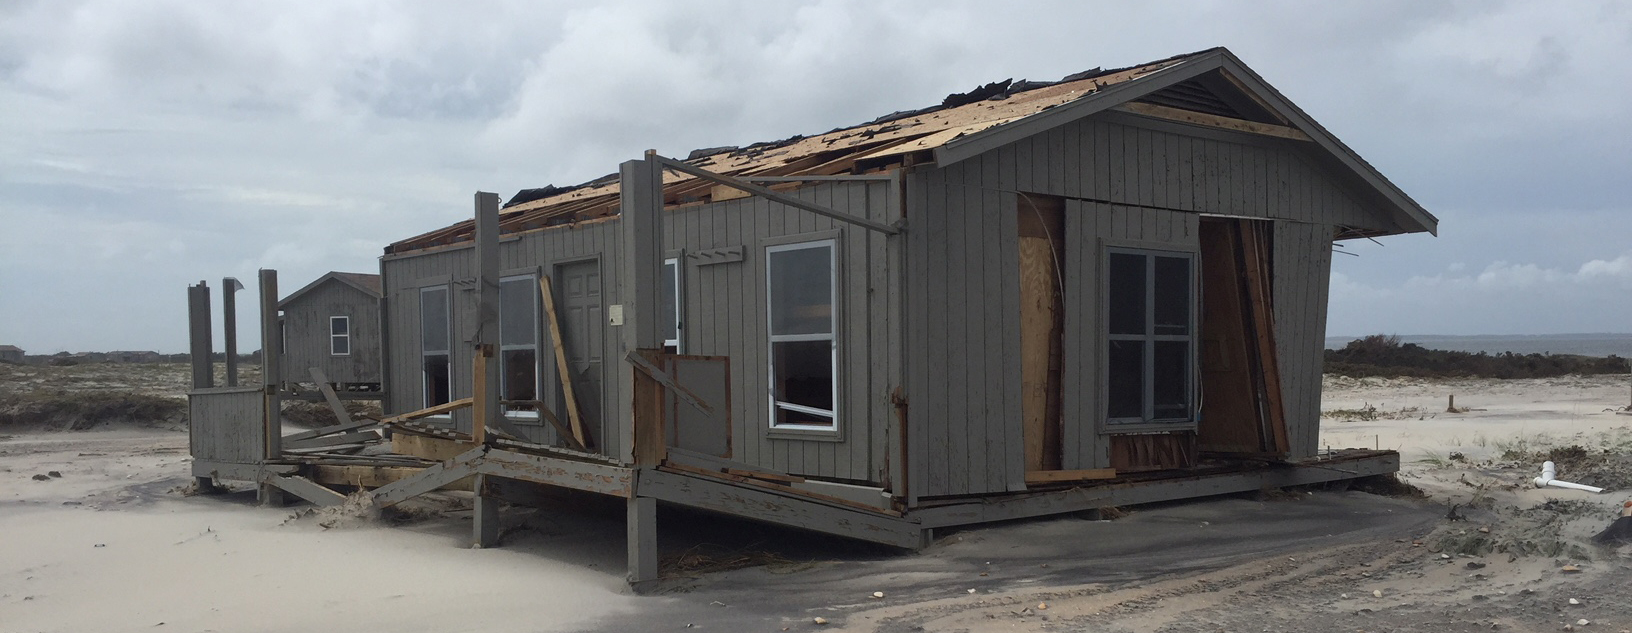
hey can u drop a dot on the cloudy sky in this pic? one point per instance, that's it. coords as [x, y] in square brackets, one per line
[144, 146]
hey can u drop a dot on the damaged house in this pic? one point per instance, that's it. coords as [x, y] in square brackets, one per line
[1034, 298]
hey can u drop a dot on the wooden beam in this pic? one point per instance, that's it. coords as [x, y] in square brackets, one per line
[271, 364]
[1061, 476]
[322, 380]
[751, 502]
[432, 448]
[663, 378]
[605, 479]
[479, 404]
[427, 412]
[328, 430]
[547, 293]
[306, 489]
[755, 474]
[371, 476]
[430, 479]
[1212, 120]
[359, 437]
[774, 196]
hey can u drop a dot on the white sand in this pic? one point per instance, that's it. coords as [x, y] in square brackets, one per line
[135, 559]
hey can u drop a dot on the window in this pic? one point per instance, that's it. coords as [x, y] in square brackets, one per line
[435, 325]
[804, 350]
[671, 306]
[339, 336]
[1149, 375]
[518, 344]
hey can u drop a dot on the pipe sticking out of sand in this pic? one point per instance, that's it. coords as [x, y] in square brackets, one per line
[1549, 471]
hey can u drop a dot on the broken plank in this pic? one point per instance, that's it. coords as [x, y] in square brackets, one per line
[328, 430]
[370, 476]
[579, 475]
[432, 448]
[663, 378]
[322, 380]
[428, 411]
[792, 479]
[1061, 476]
[547, 293]
[430, 479]
[306, 489]
[332, 440]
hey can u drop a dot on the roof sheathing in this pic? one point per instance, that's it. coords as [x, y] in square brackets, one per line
[836, 152]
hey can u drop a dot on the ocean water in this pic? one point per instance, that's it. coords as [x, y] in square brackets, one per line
[1579, 344]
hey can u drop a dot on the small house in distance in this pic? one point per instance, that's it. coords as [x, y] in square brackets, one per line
[333, 324]
[11, 354]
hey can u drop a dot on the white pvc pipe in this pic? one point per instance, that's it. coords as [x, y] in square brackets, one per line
[1548, 471]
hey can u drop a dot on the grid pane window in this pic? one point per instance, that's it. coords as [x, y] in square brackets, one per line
[671, 306]
[804, 367]
[1149, 364]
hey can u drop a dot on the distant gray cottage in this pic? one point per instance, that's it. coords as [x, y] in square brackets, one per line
[11, 353]
[334, 324]
[1033, 298]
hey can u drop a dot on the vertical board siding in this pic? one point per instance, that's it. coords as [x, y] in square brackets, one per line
[306, 335]
[225, 425]
[1302, 269]
[724, 312]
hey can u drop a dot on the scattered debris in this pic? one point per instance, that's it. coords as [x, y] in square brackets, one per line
[819, 620]
[41, 478]
[878, 594]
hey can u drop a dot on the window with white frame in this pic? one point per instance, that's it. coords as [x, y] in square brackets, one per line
[671, 305]
[435, 336]
[518, 344]
[801, 291]
[339, 336]
[1150, 327]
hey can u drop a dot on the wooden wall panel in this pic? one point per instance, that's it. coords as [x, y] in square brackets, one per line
[1302, 269]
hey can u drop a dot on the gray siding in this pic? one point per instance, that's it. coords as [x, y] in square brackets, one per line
[1303, 264]
[1126, 179]
[724, 314]
[225, 424]
[306, 335]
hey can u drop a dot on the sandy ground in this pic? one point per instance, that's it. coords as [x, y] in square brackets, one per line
[113, 544]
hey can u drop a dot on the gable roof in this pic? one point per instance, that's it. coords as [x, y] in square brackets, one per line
[368, 284]
[1212, 82]
[10, 348]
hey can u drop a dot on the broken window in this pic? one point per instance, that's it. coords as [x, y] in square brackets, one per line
[804, 350]
[518, 344]
[671, 306]
[435, 325]
[1150, 325]
[339, 336]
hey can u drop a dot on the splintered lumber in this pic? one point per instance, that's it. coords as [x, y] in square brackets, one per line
[428, 411]
[1061, 476]
[429, 479]
[329, 430]
[791, 479]
[322, 380]
[555, 421]
[415, 428]
[360, 437]
[761, 484]
[364, 476]
[547, 293]
[663, 378]
[431, 448]
[306, 489]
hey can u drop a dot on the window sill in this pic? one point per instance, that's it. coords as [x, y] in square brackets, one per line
[1147, 427]
[808, 435]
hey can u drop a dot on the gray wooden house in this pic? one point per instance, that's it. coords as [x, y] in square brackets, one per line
[1033, 298]
[11, 354]
[333, 324]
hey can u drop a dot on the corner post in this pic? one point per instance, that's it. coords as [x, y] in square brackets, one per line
[198, 335]
[271, 363]
[229, 325]
[485, 526]
[484, 367]
[640, 272]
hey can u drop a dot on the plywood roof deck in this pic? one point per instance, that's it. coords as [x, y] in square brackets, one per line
[872, 146]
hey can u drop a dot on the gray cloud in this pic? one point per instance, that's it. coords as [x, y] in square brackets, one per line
[149, 145]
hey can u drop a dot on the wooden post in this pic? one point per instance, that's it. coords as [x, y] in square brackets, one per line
[641, 207]
[484, 368]
[229, 325]
[641, 519]
[485, 526]
[271, 363]
[1450, 406]
[198, 335]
